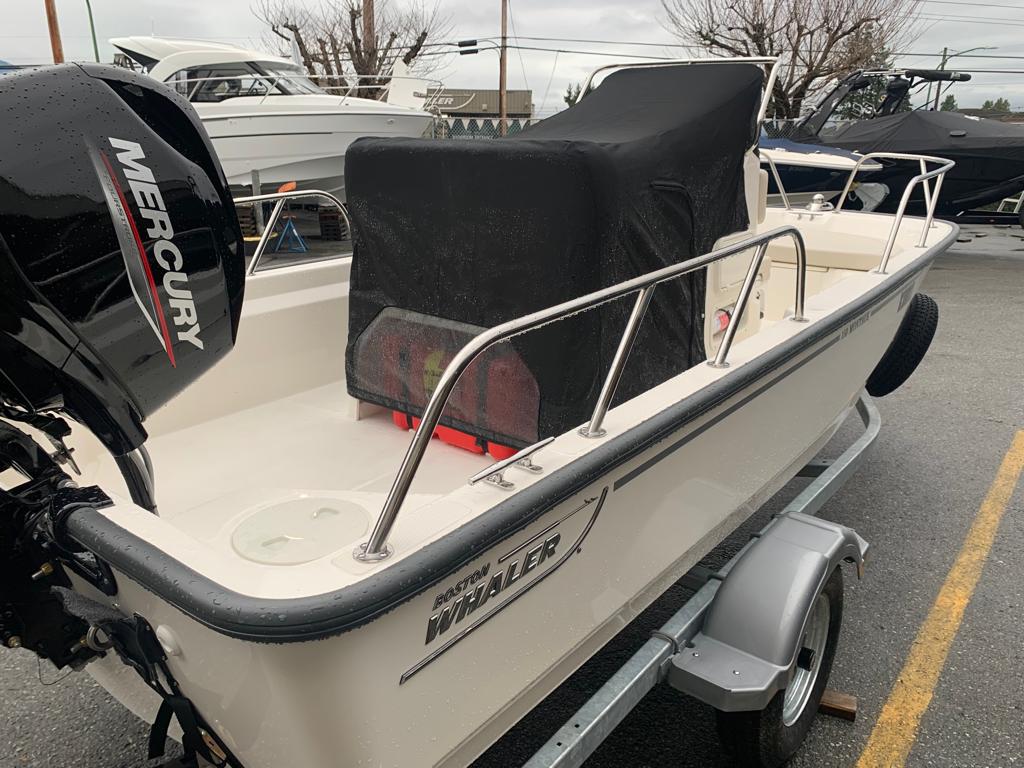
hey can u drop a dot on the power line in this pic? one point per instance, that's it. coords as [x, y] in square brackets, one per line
[966, 55]
[997, 72]
[589, 53]
[551, 78]
[522, 64]
[975, 5]
[602, 42]
[969, 20]
[959, 17]
[917, 54]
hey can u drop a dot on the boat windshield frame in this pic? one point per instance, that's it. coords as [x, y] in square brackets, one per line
[273, 82]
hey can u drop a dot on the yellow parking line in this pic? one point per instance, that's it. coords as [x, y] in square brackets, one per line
[896, 729]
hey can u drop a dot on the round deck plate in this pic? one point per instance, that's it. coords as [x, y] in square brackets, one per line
[299, 530]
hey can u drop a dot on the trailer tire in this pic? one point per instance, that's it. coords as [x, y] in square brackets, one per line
[908, 348]
[764, 739]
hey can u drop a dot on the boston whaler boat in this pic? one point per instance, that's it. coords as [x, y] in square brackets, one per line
[213, 505]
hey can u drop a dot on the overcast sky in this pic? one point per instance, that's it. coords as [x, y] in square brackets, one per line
[960, 24]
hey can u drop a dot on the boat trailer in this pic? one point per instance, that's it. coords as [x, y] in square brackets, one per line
[716, 647]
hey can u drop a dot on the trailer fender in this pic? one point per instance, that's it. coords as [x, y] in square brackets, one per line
[747, 649]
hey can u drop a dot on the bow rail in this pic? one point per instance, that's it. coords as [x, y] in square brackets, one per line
[931, 194]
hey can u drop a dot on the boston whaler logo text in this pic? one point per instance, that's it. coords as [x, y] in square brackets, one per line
[174, 279]
[503, 579]
[470, 599]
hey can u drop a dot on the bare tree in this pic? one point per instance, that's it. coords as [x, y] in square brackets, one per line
[356, 43]
[815, 39]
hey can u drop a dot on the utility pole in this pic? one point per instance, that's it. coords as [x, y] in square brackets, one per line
[369, 27]
[938, 85]
[51, 21]
[502, 72]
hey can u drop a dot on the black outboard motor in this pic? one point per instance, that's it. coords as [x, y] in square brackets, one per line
[121, 261]
[121, 278]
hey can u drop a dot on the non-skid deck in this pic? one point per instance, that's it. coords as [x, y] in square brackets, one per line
[291, 468]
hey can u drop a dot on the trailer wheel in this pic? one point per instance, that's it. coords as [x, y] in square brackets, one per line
[908, 348]
[769, 738]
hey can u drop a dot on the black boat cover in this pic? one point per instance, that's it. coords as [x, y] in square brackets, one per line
[451, 237]
[989, 156]
[945, 134]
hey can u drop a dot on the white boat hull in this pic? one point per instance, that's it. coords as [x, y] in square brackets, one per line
[307, 148]
[405, 689]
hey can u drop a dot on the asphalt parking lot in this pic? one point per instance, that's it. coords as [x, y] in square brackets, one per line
[944, 437]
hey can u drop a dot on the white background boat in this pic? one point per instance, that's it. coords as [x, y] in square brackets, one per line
[264, 114]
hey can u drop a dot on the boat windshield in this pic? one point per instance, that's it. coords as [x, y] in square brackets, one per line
[218, 82]
[291, 81]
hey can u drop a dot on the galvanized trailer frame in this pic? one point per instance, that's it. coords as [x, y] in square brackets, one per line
[577, 739]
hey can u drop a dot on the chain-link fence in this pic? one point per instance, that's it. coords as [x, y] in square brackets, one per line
[478, 127]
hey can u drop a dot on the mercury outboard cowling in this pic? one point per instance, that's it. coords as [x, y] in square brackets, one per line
[121, 261]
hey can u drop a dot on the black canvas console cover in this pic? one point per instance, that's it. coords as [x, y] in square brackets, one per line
[452, 237]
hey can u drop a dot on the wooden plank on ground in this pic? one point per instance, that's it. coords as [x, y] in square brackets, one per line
[836, 704]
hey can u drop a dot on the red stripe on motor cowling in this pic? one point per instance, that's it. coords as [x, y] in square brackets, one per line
[145, 262]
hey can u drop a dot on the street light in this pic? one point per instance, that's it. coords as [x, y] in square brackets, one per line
[92, 28]
[946, 56]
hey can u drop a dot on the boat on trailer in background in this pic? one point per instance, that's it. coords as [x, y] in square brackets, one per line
[210, 500]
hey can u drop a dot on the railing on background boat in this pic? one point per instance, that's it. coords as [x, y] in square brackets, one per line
[374, 87]
[931, 194]
[376, 548]
[1015, 204]
[279, 199]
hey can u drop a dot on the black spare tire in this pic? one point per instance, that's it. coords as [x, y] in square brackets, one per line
[908, 348]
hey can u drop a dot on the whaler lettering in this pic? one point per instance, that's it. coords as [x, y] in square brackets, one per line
[471, 600]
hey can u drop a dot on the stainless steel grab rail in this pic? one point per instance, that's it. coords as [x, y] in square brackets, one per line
[931, 195]
[778, 179]
[349, 84]
[376, 548]
[282, 198]
[773, 61]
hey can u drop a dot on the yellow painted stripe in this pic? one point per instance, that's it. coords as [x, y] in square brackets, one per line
[896, 729]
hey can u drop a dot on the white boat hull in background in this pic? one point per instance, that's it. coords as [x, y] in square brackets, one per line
[305, 147]
[264, 114]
